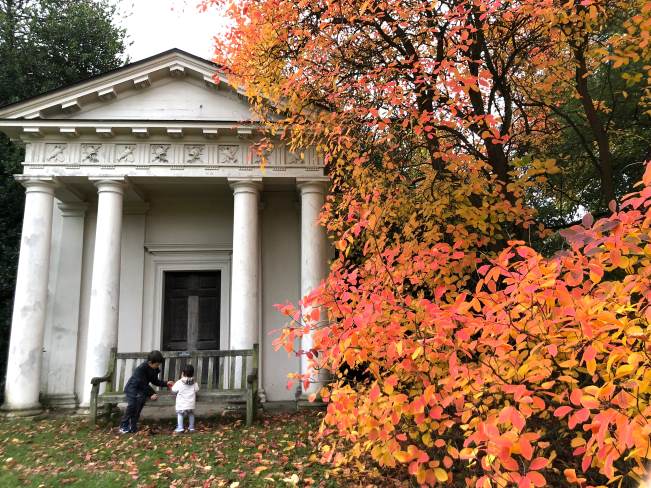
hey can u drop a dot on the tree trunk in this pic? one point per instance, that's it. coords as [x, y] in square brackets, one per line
[599, 132]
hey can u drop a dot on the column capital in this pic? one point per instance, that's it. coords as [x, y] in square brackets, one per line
[312, 185]
[111, 185]
[37, 185]
[245, 185]
[72, 209]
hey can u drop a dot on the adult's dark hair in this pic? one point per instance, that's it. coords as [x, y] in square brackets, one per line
[155, 357]
[188, 371]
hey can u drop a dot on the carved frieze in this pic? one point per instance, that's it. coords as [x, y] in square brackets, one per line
[194, 153]
[55, 153]
[229, 155]
[294, 159]
[178, 155]
[160, 153]
[90, 153]
[125, 153]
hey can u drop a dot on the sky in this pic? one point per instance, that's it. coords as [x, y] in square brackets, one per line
[154, 26]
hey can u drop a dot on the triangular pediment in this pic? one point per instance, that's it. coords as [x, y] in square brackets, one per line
[170, 86]
[167, 99]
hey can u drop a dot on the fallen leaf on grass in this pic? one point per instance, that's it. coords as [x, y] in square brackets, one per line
[292, 480]
[260, 469]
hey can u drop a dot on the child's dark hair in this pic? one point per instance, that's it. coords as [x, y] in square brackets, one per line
[188, 371]
[155, 357]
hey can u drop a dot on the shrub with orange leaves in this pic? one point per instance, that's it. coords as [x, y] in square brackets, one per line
[545, 368]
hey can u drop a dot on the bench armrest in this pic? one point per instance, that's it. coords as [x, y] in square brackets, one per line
[100, 379]
[111, 369]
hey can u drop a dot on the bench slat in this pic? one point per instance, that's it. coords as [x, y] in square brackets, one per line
[211, 369]
[166, 369]
[132, 355]
[177, 368]
[122, 366]
[184, 354]
[220, 373]
[243, 360]
[231, 375]
[198, 370]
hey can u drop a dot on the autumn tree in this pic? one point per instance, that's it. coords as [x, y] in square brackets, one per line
[485, 362]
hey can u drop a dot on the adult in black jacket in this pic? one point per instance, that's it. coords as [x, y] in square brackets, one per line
[138, 390]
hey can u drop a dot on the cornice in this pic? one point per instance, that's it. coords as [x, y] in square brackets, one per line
[34, 130]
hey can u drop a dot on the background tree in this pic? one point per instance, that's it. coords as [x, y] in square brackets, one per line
[44, 44]
[595, 93]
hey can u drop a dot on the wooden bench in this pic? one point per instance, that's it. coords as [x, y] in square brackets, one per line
[227, 376]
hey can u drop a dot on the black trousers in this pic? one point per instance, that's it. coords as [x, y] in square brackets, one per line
[135, 405]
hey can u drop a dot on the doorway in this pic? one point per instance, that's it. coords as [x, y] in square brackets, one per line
[191, 310]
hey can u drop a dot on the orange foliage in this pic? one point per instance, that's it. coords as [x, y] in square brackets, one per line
[545, 366]
[484, 362]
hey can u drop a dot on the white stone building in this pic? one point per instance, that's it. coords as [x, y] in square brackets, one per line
[150, 224]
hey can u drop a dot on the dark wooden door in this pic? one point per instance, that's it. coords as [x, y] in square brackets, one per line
[191, 310]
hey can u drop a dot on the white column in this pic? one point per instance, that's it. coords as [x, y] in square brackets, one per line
[314, 262]
[245, 270]
[64, 320]
[105, 283]
[28, 321]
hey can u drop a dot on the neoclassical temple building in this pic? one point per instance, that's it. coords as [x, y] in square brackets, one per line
[150, 224]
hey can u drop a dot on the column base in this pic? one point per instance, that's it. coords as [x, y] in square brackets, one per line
[84, 411]
[7, 411]
[61, 401]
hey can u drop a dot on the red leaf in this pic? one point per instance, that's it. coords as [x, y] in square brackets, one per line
[538, 463]
[374, 393]
[561, 412]
[525, 448]
[536, 478]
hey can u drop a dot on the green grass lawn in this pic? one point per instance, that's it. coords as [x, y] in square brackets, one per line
[276, 451]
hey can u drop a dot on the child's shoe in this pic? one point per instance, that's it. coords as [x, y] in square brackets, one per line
[178, 431]
[123, 431]
[190, 431]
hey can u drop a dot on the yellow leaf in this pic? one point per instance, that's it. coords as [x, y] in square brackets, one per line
[427, 439]
[402, 456]
[440, 474]
[577, 441]
[417, 352]
[591, 366]
[623, 370]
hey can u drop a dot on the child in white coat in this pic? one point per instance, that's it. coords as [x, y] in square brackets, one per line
[186, 395]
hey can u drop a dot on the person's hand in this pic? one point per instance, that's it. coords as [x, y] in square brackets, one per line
[170, 384]
[154, 397]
